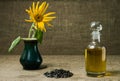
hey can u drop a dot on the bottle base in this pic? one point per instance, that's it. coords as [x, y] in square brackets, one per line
[94, 74]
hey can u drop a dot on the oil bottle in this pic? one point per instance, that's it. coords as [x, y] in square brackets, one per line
[95, 53]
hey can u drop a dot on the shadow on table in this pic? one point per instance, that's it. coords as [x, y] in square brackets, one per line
[113, 73]
[43, 66]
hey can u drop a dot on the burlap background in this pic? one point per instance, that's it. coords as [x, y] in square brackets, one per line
[71, 33]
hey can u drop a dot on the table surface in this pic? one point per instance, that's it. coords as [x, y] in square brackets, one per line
[11, 69]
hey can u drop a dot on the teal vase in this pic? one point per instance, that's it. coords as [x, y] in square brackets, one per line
[30, 58]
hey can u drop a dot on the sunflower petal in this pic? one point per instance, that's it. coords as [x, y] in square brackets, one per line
[41, 7]
[31, 10]
[50, 13]
[28, 11]
[28, 20]
[47, 19]
[33, 6]
[50, 25]
[52, 17]
[37, 6]
[45, 8]
[41, 26]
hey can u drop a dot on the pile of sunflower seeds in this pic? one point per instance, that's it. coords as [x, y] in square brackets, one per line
[58, 73]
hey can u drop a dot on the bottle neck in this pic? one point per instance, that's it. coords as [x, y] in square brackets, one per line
[96, 36]
[95, 40]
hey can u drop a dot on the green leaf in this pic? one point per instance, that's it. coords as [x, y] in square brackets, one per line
[14, 43]
[39, 35]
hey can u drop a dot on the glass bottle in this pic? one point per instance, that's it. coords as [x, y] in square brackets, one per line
[95, 53]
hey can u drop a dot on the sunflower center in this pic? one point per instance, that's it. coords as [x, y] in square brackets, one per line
[38, 18]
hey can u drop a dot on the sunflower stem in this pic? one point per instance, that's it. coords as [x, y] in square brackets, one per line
[31, 30]
[34, 33]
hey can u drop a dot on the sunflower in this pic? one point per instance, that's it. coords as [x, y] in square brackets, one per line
[38, 16]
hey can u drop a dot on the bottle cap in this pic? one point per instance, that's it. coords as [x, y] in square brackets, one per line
[96, 27]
